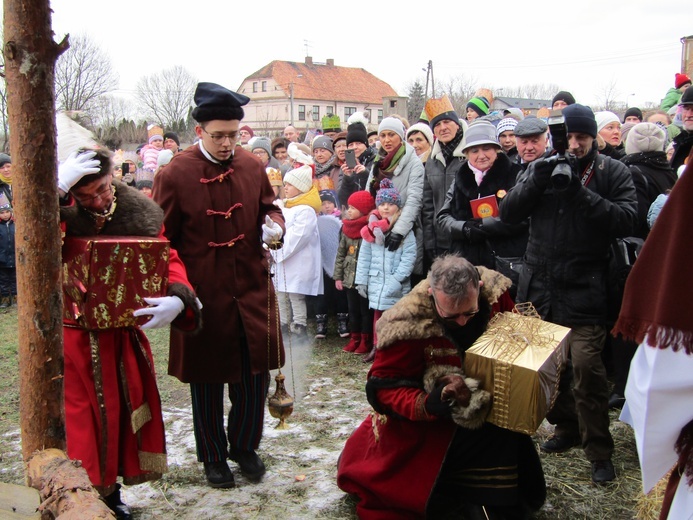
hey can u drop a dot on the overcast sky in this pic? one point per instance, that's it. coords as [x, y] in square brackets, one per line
[582, 46]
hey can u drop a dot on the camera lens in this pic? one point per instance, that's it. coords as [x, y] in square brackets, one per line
[560, 178]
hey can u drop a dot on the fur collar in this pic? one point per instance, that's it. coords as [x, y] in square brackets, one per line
[413, 317]
[135, 215]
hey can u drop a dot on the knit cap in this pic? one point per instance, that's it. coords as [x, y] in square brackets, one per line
[625, 128]
[172, 135]
[633, 111]
[687, 98]
[164, 157]
[565, 96]
[605, 117]
[393, 124]
[480, 105]
[247, 129]
[362, 201]
[301, 178]
[324, 142]
[263, 143]
[645, 137]
[508, 123]
[388, 193]
[580, 119]
[424, 129]
[328, 196]
[5, 202]
[356, 131]
[5, 159]
[681, 79]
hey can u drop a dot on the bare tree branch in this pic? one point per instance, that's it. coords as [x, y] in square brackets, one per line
[168, 96]
[82, 74]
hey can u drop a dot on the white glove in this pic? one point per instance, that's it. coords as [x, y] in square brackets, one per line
[271, 231]
[71, 171]
[362, 290]
[163, 311]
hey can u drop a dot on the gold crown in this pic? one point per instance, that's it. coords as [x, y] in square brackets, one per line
[154, 130]
[437, 106]
[274, 176]
[144, 175]
[487, 93]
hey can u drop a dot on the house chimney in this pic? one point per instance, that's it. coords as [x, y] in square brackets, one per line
[309, 60]
[330, 62]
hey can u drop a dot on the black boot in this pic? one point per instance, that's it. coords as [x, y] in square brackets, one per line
[113, 501]
[251, 465]
[343, 324]
[320, 326]
[219, 474]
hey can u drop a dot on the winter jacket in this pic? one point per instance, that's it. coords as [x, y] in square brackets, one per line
[564, 271]
[385, 272]
[505, 239]
[345, 264]
[299, 262]
[672, 97]
[652, 176]
[408, 178]
[7, 258]
[438, 177]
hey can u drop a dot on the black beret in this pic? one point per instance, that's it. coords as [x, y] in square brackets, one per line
[216, 102]
[530, 126]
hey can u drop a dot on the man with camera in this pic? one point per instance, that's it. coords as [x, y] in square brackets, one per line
[578, 201]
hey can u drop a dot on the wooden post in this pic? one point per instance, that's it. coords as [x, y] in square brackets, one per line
[30, 56]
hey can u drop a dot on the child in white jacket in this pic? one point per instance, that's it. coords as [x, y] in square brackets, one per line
[298, 264]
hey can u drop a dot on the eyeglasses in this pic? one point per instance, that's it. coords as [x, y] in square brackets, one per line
[260, 153]
[221, 138]
[100, 195]
[452, 317]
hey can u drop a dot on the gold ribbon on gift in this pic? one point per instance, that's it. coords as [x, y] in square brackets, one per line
[520, 358]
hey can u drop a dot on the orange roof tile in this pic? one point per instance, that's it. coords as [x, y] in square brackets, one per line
[326, 82]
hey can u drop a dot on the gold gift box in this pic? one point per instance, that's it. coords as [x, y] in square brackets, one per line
[519, 360]
[106, 278]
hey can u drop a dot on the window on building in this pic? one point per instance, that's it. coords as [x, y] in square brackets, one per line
[316, 113]
[393, 103]
[301, 112]
[329, 110]
[380, 115]
[367, 113]
[254, 86]
[264, 86]
[348, 111]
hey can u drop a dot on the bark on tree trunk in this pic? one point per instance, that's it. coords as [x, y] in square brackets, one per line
[65, 489]
[30, 56]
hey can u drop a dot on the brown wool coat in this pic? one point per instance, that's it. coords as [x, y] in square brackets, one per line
[230, 281]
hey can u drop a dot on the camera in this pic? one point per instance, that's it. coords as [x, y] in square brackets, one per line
[562, 171]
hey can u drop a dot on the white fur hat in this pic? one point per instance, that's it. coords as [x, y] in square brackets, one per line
[301, 178]
[645, 137]
[424, 129]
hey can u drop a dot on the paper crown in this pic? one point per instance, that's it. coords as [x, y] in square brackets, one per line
[543, 113]
[487, 93]
[436, 106]
[331, 123]
[4, 202]
[144, 175]
[153, 130]
[274, 176]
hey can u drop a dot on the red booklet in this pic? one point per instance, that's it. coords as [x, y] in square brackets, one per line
[485, 207]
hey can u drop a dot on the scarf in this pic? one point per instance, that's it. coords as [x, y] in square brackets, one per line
[324, 168]
[6, 180]
[478, 174]
[656, 300]
[310, 198]
[449, 149]
[352, 228]
[385, 165]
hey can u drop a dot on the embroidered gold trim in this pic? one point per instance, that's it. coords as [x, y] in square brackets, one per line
[140, 417]
[154, 462]
[98, 388]
[375, 419]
